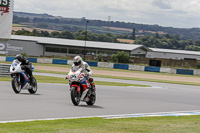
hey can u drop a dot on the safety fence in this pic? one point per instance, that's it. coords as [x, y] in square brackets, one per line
[4, 70]
[112, 65]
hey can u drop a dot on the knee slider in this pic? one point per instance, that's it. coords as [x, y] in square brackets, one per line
[91, 79]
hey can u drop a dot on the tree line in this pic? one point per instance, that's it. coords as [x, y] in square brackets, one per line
[168, 42]
[74, 24]
[154, 41]
[79, 35]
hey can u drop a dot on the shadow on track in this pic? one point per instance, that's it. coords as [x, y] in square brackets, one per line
[28, 94]
[88, 106]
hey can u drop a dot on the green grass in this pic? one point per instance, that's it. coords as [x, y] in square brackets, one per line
[19, 25]
[149, 80]
[111, 69]
[117, 70]
[129, 78]
[181, 124]
[125, 78]
[47, 79]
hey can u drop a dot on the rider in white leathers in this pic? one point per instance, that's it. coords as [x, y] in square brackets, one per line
[79, 64]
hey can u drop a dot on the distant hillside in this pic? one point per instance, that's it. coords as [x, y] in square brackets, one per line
[59, 23]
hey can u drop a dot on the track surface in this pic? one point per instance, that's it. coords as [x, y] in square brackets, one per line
[53, 101]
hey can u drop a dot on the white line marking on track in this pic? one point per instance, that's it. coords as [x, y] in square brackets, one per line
[176, 113]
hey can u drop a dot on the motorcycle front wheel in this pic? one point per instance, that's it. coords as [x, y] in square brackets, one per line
[15, 85]
[75, 97]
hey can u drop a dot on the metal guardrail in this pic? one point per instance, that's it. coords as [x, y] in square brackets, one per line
[4, 70]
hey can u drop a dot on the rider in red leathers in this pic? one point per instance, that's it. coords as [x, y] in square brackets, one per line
[79, 64]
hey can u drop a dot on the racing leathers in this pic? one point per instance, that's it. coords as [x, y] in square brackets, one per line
[84, 68]
[26, 65]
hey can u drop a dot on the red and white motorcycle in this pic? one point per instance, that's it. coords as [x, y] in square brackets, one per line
[80, 88]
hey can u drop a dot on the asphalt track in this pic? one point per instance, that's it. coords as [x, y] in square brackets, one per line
[53, 100]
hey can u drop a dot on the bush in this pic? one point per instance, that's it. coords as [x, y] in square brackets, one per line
[121, 57]
[25, 54]
[198, 65]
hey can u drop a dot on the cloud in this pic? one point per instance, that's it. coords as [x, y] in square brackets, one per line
[162, 12]
[163, 4]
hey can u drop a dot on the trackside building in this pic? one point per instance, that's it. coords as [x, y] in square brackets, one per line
[43, 46]
[173, 54]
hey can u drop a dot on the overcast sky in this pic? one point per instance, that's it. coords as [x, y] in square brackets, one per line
[170, 13]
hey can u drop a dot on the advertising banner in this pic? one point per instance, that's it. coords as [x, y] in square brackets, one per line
[3, 48]
[6, 16]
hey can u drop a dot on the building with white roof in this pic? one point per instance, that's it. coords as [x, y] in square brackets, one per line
[173, 54]
[44, 46]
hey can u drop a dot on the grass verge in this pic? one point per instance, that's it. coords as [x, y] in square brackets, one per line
[110, 69]
[149, 80]
[47, 79]
[181, 124]
[128, 78]
[125, 78]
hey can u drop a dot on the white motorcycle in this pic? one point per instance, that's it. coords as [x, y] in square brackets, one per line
[20, 79]
[80, 88]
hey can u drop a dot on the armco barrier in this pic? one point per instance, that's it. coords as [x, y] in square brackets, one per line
[10, 59]
[34, 60]
[111, 65]
[58, 61]
[44, 60]
[185, 71]
[2, 58]
[152, 69]
[173, 71]
[105, 64]
[69, 62]
[197, 72]
[4, 70]
[165, 70]
[95, 64]
[136, 67]
[121, 66]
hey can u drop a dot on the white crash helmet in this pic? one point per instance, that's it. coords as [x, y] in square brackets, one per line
[77, 60]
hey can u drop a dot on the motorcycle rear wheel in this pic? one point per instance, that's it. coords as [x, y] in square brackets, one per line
[75, 97]
[34, 87]
[15, 85]
[92, 100]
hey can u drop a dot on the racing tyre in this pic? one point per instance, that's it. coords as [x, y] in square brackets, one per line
[75, 97]
[15, 85]
[92, 100]
[34, 87]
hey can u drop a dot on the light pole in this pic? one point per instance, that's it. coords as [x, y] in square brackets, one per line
[85, 38]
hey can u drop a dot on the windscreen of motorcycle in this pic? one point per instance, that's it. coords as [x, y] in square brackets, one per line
[15, 63]
[75, 68]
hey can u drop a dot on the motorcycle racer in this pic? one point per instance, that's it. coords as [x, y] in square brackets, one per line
[79, 64]
[26, 65]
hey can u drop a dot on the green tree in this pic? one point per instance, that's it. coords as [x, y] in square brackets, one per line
[133, 34]
[56, 34]
[67, 35]
[121, 57]
[197, 42]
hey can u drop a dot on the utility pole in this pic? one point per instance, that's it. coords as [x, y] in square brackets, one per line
[87, 21]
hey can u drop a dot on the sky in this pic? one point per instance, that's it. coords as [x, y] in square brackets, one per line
[166, 13]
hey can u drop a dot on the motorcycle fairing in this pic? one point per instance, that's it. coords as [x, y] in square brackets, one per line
[77, 86]
[84, 83]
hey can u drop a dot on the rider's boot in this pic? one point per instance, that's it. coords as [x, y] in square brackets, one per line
[31, 80]
[93, 88]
